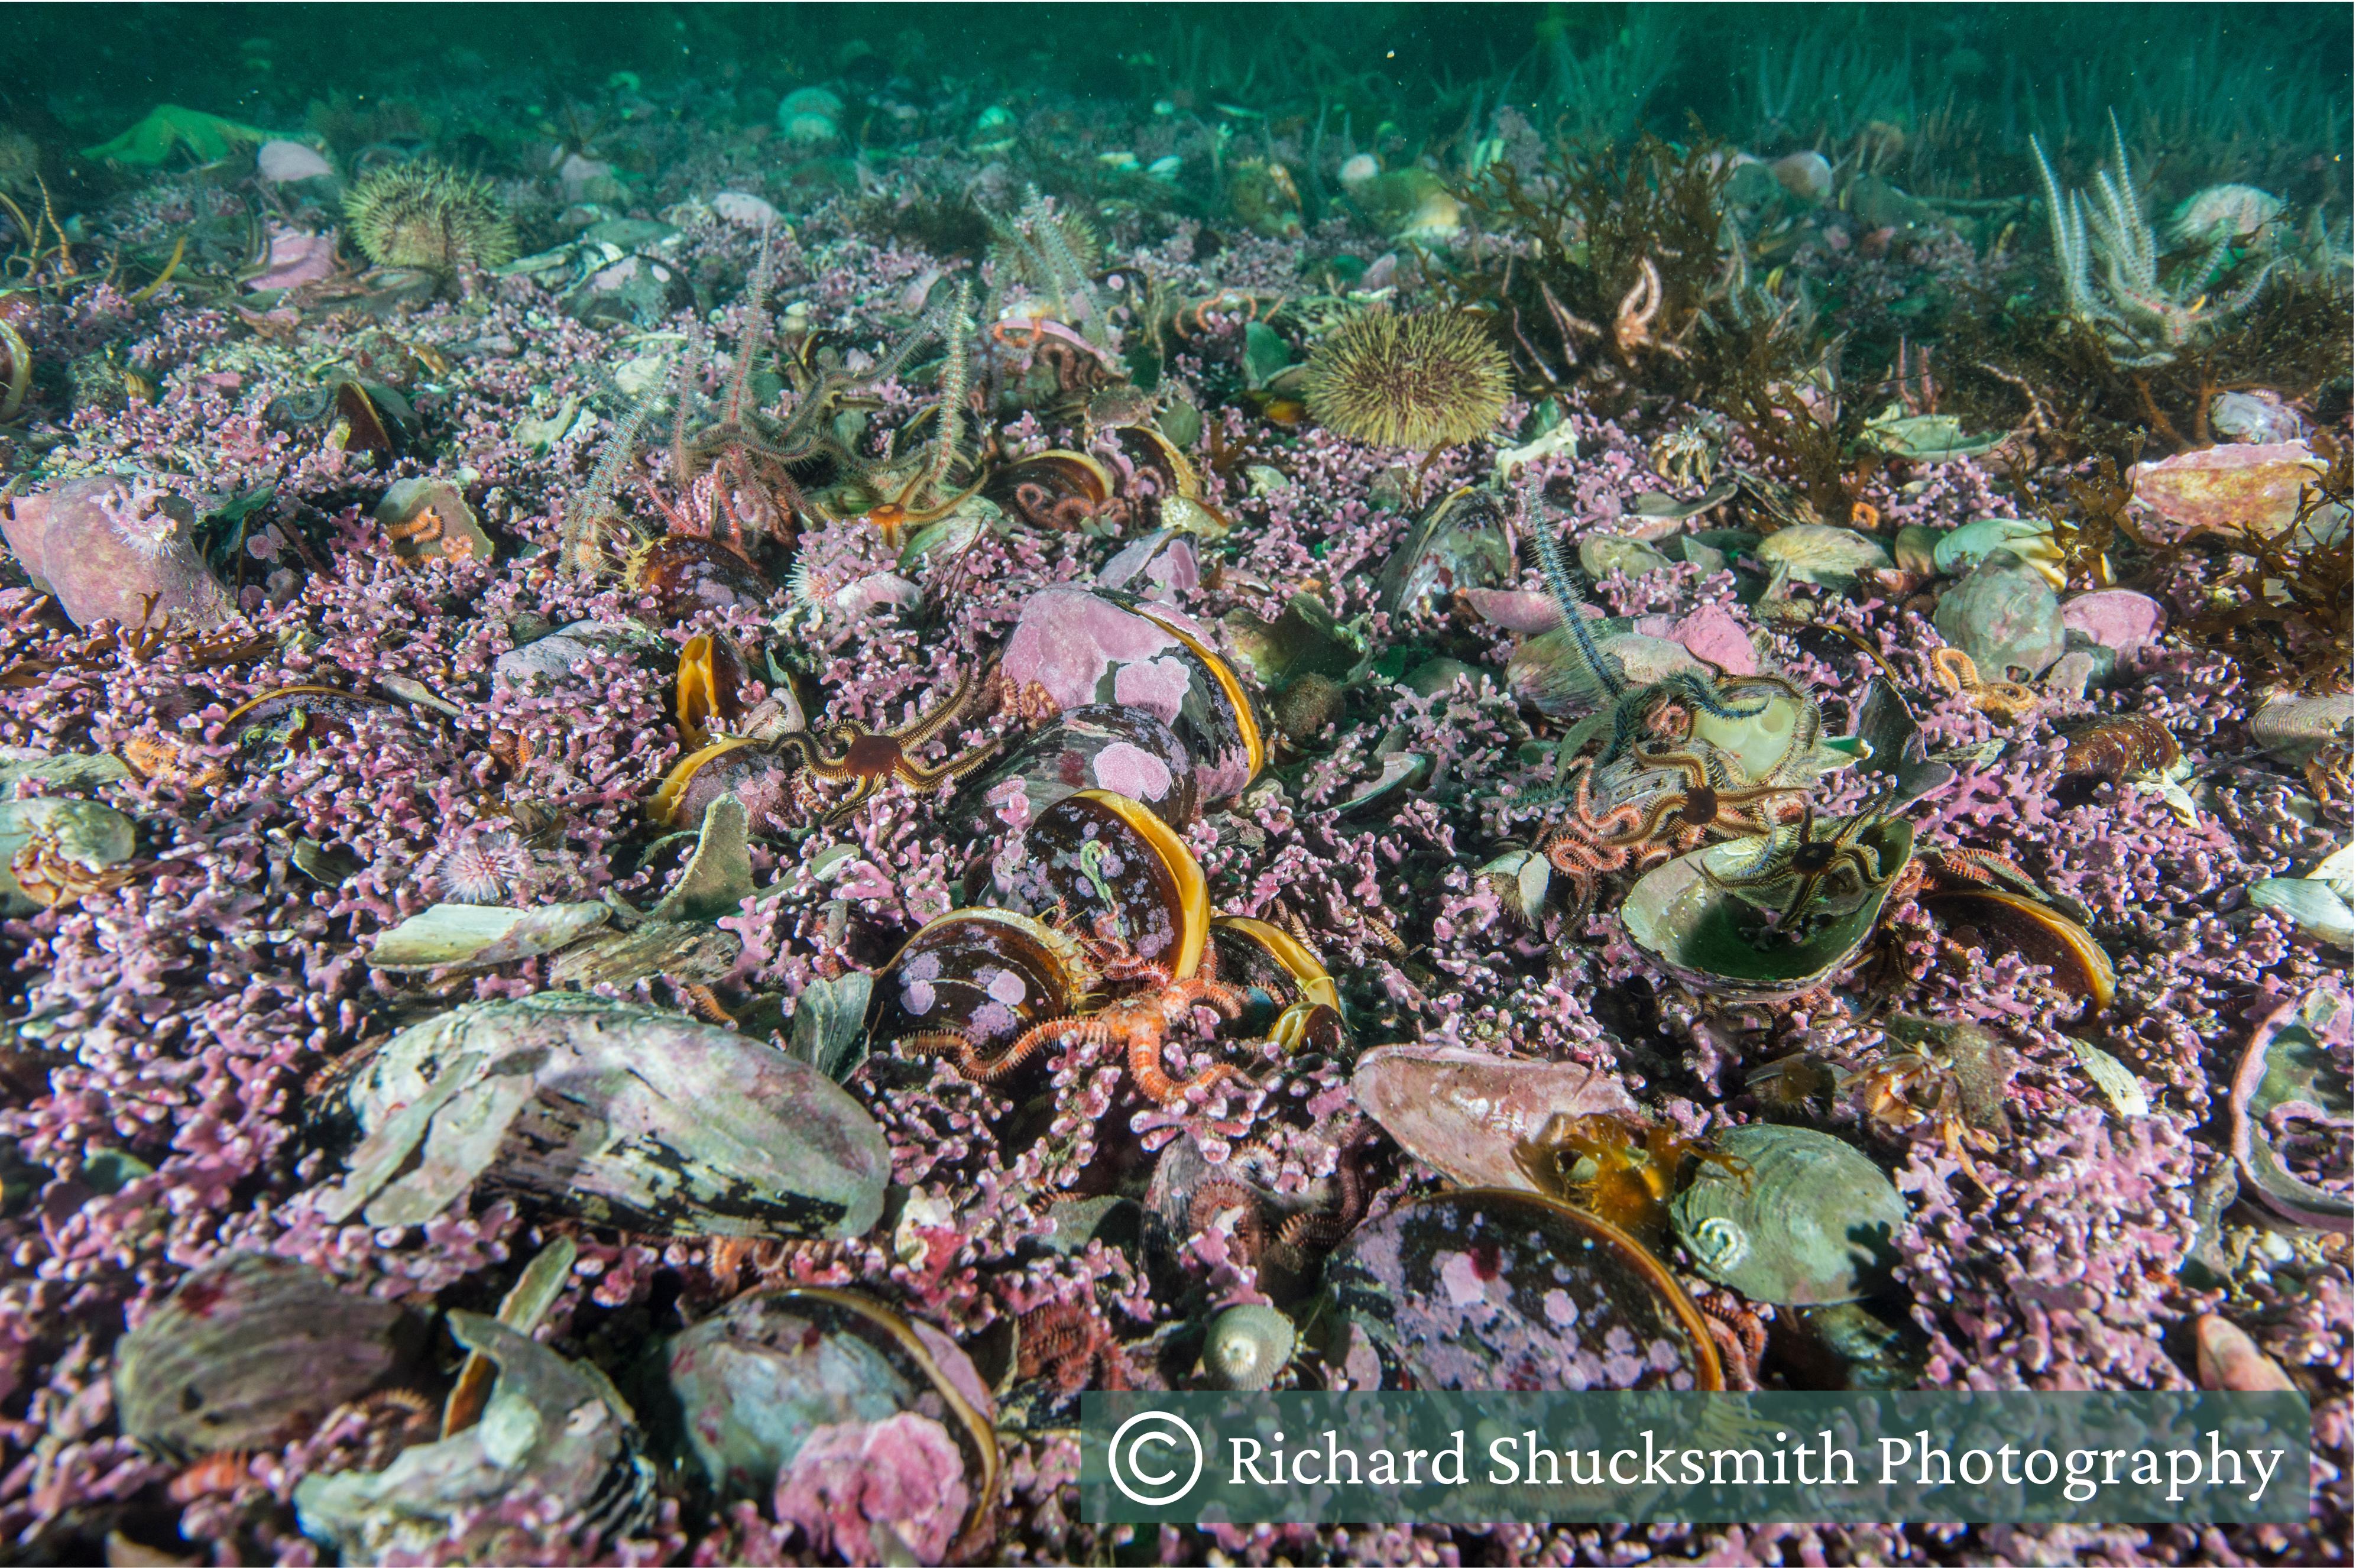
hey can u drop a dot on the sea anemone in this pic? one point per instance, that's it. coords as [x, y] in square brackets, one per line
[1424, 381]
[424, 216]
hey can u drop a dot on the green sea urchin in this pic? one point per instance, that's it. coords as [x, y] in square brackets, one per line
[1424, 381]
[434, 219]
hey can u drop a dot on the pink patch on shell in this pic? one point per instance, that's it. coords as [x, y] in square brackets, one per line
[1129, 771]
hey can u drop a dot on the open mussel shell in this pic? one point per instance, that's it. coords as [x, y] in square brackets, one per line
[1075, 647]
[734, 767]
[2039, 932]
[2288, 1062]
[246, 1352]
[1715, 942]
[1491, 1289]
[617, 1114]
[747, 1386]
[1461, 541]
[1796, 1218]
[1279, 971]
[1464, 1115]
[710, 672]
[984, 976]
[1063, 492]
[1120, 876]
[1781, 743]
[1103, 745]
[554, 1431]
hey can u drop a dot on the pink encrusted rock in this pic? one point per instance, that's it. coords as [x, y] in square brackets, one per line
[102, 546]
[2117, 619]
[743, 209]
[1713, 636]
[867, 1490]
[1515, 609]
[2224, 489]
[296, 257]
[282, 161]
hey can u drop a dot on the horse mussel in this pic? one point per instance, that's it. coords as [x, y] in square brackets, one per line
[1753, 920]
[619, 1114]
[1488, 1288]
[554, 1431]
[250, 1350]
[747, 1390]
[1076, 647]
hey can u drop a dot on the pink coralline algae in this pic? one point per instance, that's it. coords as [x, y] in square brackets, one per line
[1400, 764]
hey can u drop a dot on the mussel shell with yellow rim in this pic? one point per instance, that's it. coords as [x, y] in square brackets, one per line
[1063, 492]
[1103, 745]
[1119, 876]
[708, 674]
[1075, 647]
[298, 718]
[1461, 541]
[1995, 920]
[1217, 719]
[1486, 1288]
[985, 975]
[732, 764]
[1268, 961]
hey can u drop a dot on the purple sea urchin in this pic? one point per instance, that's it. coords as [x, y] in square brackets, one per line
[1422, 380]
[434, 219]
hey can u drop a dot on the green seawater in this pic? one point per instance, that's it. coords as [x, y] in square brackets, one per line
[1943, 96]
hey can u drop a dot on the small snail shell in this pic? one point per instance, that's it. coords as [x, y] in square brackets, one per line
[1246, 1348]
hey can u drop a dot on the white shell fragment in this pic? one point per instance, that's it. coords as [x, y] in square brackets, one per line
[2117, 1081]
[476, 935]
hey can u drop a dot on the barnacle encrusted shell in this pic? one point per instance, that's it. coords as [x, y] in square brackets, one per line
[1715, 942]
[1463, 1113]
[555, 1432]
[986, 975]
[1120, 875]
[247, 1350]
[1246, 1347]
[621, 1114]
[747, 1386]
[1802, 1219]
[1487, 1288]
